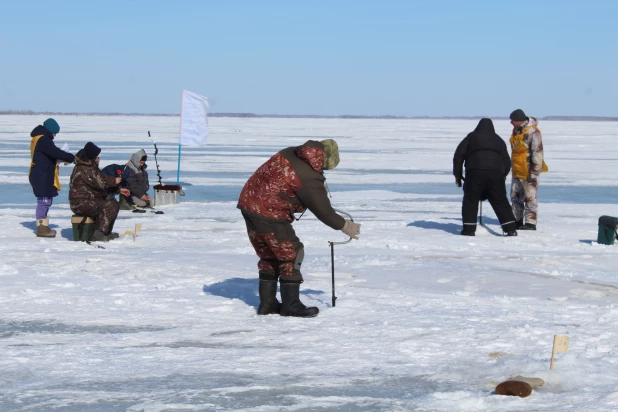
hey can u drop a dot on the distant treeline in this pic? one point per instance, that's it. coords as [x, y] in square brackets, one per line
[306, 116]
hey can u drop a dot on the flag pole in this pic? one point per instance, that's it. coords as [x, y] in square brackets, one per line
[178, 175]
[182, 104]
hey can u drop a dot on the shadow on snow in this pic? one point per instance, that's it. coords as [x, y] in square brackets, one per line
[245, 290]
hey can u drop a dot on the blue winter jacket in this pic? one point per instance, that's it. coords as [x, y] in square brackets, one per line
[46, 156]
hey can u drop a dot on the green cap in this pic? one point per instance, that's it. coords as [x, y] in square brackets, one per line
[331, 154]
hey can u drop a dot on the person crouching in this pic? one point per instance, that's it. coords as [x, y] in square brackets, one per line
[89, 191]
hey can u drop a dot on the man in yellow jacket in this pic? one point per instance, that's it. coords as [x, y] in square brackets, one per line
[527, 165]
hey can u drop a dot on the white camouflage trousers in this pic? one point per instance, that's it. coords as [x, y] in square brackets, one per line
[524, 200]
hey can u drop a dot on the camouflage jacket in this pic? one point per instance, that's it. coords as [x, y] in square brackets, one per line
[87, 181]
[290, 182]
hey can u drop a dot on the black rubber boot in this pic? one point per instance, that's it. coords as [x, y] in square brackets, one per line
[291, 304]
[268, 298]
[528, 226]
[519, 223]
[98, 236]
[511, 233]
[467, 233]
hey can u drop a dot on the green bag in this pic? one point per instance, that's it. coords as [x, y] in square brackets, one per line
[608, 230]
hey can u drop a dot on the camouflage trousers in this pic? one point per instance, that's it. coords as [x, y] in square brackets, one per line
[105, 211]
[524, 200]
[280, 251]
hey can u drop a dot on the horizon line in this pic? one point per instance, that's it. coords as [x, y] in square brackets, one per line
[302, 116]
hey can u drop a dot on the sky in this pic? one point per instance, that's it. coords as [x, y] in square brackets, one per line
[403, 58]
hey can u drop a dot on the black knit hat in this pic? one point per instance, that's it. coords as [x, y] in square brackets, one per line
[518, 116]
[92, 151]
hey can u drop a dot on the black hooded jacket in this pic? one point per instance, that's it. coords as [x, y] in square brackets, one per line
[482, 149]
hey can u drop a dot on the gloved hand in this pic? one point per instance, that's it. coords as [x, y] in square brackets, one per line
[458, 181]
[351, 229]
[531, 179]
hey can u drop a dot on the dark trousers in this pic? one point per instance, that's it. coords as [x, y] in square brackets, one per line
[104, 210]
[279, 249]
[486, 184]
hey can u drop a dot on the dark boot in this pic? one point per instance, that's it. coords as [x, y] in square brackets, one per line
[467, 233]
[519, 223]
[98, 236]
[528, 226]
[291, 304]
[268, 298]
[113, 236]
[43, 230]
[511, 233]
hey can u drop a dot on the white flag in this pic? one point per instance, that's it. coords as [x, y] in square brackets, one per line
[193, 120]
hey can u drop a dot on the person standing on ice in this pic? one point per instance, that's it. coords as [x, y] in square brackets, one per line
[44, 172]
[291, 181]
[487, 166]
[88, 195]
[528, 164]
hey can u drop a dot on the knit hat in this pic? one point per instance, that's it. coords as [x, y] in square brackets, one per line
[92, 151]
[52, 125]
[518, 116]
[331, 154]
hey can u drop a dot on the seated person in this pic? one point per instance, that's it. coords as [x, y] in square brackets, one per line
[89, 191]
[136, 178]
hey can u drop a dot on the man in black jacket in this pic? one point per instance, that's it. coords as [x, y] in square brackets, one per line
[487, 165]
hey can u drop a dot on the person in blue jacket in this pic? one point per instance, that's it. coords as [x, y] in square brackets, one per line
[44, 172]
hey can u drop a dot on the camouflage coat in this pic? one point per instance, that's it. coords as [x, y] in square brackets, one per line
[87, 181]
[290, 182]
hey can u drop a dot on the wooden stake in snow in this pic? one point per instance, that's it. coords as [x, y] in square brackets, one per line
[138, 227]
[561, 344]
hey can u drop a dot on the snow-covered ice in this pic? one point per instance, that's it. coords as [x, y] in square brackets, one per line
[426, 320]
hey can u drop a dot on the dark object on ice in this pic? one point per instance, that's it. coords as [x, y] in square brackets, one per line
[608, 230]
[157, 212]
[528, 226]
[487, 164]
[512, 233]
[269, 304]
[139, 211]
[514, 388]
[467, 232]
[291, 304]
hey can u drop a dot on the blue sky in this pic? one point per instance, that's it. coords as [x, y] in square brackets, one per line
[410, 58]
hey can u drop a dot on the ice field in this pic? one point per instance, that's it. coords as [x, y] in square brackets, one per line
[426, 320]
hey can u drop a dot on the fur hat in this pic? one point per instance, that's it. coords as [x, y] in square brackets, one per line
[52, 125]
[92, 151]
[331, 154]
